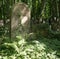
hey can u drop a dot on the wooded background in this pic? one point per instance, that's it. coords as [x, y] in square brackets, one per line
[42, 11]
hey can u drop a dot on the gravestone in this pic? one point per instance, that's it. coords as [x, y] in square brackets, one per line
[20, 19]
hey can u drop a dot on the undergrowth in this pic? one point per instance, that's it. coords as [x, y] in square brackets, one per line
[32, 47]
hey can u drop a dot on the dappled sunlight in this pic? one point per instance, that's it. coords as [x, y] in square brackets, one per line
[32, 46]
[37, 49]
[33, 49]
[29, 29]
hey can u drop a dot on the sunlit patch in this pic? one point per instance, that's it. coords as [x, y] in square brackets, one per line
[1, 23]
[24, 19]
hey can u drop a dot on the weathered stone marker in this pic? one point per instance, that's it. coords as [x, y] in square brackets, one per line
[20, 19]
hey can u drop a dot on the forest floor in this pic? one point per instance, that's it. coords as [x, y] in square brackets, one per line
[33, 47]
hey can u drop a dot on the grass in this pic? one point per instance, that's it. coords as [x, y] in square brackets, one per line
[33, 47]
